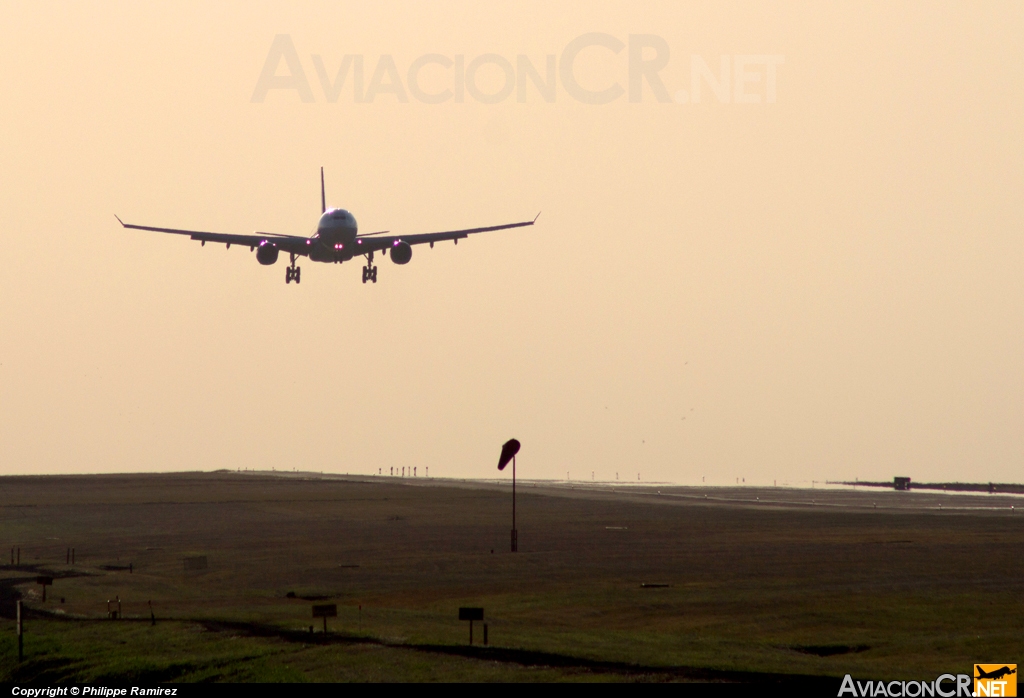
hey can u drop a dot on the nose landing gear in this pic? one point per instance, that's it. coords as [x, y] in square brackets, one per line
[293, 272]
[370, 270]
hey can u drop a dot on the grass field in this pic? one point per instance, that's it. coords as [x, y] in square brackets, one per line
[762, 584]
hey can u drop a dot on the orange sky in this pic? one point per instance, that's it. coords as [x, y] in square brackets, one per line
[824, 286]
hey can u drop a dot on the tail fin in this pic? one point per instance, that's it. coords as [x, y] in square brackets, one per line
[323, 196]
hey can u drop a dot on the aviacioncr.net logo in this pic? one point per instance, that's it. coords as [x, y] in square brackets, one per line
[995, 680]
[945, 686]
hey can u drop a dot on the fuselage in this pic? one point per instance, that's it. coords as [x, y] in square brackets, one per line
[335, 237]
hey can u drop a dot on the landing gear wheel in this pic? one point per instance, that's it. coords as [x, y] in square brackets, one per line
[370, 270]
[292, 272]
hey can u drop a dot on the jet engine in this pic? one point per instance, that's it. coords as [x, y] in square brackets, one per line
[266, 253]
[401, 253]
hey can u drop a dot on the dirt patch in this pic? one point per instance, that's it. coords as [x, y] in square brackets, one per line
[830, 650]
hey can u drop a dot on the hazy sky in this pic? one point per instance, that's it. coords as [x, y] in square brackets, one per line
[824, 282]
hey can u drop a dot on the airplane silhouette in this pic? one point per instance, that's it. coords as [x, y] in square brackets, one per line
[995, 674]
[335, 240]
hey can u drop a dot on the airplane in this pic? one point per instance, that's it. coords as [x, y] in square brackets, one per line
[996, 674]
[335, 240]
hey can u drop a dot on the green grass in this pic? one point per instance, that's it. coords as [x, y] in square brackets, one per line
[916, 594]
[99, 652]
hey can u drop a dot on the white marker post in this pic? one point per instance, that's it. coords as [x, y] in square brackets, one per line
[21, 654]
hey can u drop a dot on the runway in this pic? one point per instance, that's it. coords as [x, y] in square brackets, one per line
[860, 499]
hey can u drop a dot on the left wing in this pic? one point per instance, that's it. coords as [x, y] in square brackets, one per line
[374, 241]
[289, 243]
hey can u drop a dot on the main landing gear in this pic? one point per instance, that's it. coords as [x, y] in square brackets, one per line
[370, 270]
[293, 272]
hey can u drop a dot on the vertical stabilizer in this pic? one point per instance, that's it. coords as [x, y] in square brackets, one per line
[323, 196]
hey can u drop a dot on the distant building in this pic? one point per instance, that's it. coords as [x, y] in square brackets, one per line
[902, 483]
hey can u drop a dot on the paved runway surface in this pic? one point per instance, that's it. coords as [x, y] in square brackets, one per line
[836, 497]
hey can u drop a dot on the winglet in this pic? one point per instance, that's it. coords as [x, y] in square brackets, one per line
[120, 221]
[323, 196]
[538, 216]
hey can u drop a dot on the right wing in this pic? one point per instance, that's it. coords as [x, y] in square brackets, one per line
[289, 243]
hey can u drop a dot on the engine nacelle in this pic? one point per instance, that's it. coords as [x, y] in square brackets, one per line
[266, 253]
[401, 253]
